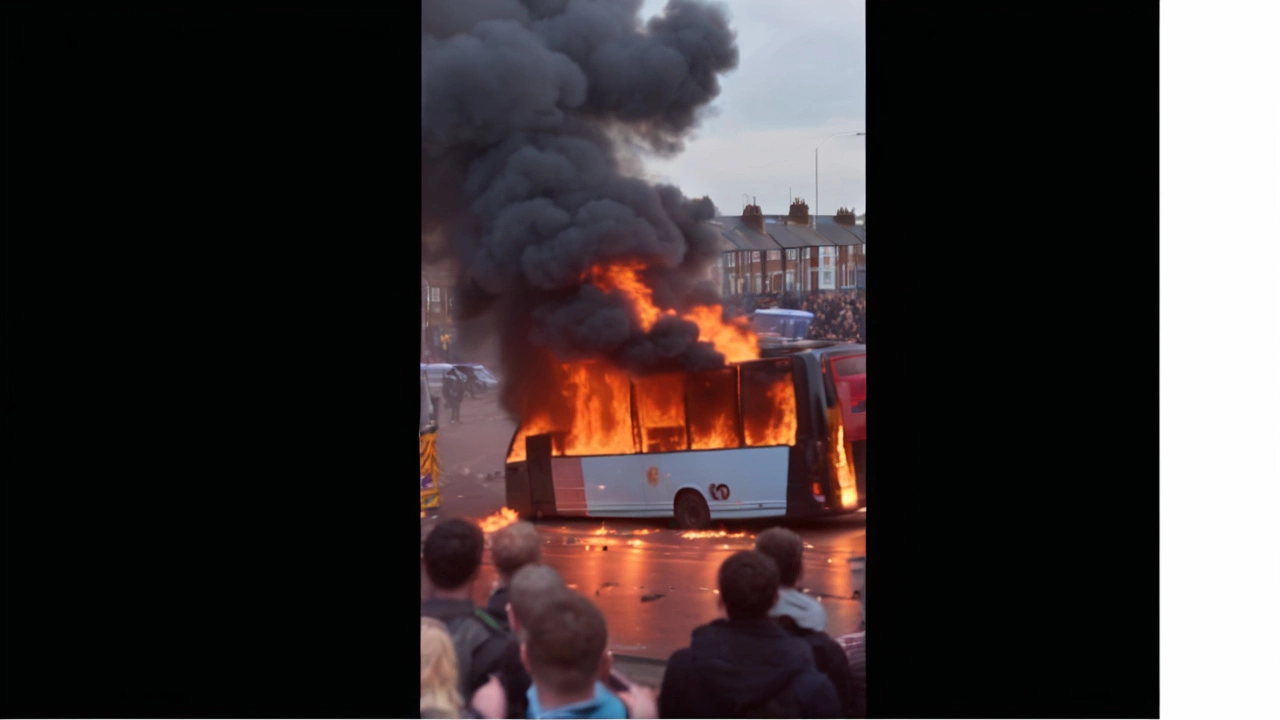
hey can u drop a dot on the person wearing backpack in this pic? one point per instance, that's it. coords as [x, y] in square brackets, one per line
[745, 665]
[803, 617]
[452, 553]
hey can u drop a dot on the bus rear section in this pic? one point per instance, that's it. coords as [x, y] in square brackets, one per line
[751, 440]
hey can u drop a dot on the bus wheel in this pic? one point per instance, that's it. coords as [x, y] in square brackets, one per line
[692, 512]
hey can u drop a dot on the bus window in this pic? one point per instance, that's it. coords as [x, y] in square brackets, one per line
[660, 407]
[768, 403]
[713, 409]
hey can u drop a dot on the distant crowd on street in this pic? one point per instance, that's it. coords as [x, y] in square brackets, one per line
[837, 315]
[538, 649]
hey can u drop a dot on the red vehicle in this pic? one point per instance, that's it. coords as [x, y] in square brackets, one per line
[850, 374]
[846, 366]
[849, 371]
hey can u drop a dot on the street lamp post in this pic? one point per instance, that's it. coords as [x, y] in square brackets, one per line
[815, 170]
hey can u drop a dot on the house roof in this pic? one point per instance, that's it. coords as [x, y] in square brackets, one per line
[840, 234]
[778, 233]
[745, 237]
[794, 236]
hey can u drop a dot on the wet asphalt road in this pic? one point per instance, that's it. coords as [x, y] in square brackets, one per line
[652, 584]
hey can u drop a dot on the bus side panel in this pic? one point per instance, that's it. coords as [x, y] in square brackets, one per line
[736, 483]
[566, 479]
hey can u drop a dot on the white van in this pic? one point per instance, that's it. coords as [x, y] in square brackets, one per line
[434, 374]
[781, 324]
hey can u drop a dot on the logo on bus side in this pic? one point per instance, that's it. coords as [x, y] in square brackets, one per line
[652, 476]
[718, 492]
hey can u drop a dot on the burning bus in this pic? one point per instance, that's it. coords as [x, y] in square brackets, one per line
[760, 437]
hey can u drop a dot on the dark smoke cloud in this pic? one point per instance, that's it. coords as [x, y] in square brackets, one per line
[523, 106]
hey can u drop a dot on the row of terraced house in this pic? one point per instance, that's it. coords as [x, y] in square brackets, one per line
[770, 254]
[759, 255]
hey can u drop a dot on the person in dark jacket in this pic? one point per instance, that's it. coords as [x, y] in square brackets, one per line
[802, 616]
[454, 390]
[746, 666]
[452, 552]
[532, 588]
[512, 548]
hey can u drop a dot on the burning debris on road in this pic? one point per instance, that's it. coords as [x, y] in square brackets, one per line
[498, 520]
[700, 534]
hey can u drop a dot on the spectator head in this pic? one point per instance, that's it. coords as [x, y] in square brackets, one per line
[748, 585]
[564, 645]
[513, 547]
[438, 680]
[532, 589]
[452, 553]
[786, 549]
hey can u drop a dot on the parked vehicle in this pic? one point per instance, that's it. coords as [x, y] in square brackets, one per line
[479, 379]
[780, 324]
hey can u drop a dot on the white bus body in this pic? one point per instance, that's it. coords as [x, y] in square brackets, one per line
[736, 483]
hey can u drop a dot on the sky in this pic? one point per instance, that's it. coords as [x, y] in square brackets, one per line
[801, 77]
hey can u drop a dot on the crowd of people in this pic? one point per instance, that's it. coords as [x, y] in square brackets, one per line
[537, 649]
[837, 315]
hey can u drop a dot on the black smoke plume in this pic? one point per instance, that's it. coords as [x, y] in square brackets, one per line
[524, 106]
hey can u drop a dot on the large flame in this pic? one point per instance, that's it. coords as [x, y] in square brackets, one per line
[734, 339]
[840, 461]
[770, 417]
[586, 406]
[590, 407]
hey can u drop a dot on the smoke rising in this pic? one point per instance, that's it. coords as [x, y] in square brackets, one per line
[523, 106]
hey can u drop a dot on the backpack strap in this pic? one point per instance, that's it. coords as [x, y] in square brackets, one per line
[488, 620]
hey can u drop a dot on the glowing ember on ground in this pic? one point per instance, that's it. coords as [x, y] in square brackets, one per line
[498, 520]
[699, 534]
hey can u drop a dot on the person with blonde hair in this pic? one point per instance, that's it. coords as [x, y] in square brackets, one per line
[438, 695]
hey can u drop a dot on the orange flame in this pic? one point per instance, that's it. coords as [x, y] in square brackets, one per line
[587, 407]
[590, 415]
[840, 461]
[700, 534]
[734, 339]
[772, 420]
[498, 520]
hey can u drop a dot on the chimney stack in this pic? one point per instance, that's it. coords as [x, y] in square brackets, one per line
[752, 216]
[799, 212]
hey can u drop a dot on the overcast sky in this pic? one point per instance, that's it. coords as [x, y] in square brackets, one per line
[801, 76]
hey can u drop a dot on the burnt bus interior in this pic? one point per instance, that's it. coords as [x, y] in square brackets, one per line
[775, 401]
